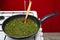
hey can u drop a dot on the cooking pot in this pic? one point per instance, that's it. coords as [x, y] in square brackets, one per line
[29, 16]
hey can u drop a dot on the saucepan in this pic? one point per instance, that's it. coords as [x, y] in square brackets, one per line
[38, 22]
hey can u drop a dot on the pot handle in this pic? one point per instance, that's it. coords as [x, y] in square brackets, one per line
[1, 17]
[48, 16]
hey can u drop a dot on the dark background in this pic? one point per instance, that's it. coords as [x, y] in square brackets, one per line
[43, 7]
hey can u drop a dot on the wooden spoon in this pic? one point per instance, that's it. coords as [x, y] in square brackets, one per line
[25, 20]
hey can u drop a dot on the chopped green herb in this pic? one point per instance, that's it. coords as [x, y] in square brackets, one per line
[18, 29]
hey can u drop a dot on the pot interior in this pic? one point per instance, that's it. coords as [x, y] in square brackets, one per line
[14, 27]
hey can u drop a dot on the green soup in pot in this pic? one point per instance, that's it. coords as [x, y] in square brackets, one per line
[17, 28]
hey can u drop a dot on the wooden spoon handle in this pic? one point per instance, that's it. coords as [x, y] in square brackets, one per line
[28, 10]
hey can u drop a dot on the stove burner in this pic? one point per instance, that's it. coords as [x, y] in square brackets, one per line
[1, 17]
[7, 14]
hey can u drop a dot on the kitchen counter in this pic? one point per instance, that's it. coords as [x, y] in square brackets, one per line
[51, 36]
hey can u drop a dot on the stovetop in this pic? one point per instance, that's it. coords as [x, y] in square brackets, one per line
[7, 14]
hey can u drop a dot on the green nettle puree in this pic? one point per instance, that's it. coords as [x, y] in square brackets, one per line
[17, 28]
